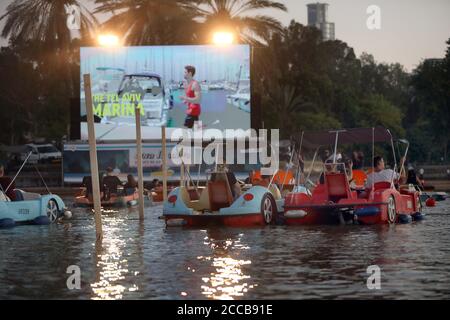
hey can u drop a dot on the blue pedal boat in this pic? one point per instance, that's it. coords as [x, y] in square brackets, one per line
[30, 208]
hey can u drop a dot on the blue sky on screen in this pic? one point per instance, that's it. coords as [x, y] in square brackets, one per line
[213, 63]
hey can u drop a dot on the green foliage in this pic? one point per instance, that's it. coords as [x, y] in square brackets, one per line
[376, 110]
[304, 83]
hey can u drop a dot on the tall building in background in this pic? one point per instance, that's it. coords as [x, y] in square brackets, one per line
[318, 17]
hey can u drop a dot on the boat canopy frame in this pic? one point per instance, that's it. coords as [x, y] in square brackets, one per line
[317, 139]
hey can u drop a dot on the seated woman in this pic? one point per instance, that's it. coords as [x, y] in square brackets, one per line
[130, 186]
[232, 181]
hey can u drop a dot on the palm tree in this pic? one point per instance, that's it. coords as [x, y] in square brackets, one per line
[286, 104]
[44, 22]
[143, 22]
[238, 16]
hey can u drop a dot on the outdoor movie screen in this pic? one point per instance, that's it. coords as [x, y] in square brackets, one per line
[154, 78]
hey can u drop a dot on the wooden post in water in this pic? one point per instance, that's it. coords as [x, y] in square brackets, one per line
[140, 170]
[164, 162]
[93, 157]
[181, 169]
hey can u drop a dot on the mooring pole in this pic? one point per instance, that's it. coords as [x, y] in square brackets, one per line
[164, 162]
[140, 170]
[95, 179]
[182, 168]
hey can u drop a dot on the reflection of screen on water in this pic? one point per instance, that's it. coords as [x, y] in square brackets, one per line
[152, 79]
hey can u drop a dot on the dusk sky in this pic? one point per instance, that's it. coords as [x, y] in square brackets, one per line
[411, 30]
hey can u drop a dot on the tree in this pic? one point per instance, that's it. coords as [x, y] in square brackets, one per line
[431, 102]
[44, 21]
[156, 22]
[40, 38]
[238, 16]
[376, 110]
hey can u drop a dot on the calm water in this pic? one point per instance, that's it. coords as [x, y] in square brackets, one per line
[147, 261]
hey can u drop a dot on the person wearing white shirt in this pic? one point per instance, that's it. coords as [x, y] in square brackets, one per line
[381, 174]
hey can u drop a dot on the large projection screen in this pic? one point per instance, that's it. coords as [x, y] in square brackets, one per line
[223, 73]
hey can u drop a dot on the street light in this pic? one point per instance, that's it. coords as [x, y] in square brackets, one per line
[108, 40]
[223, 38]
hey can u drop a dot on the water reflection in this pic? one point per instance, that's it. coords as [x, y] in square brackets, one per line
[229, 279]
[112, 278]
[147, 261]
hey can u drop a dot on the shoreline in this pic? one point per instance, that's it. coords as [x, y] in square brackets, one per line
[440, 186]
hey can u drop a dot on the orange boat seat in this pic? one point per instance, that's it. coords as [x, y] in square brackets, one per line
[359, 177]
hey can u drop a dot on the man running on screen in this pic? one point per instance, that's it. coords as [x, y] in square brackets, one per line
[192, 98]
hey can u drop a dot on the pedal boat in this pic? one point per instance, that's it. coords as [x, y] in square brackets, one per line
[335, 202]
[213, 204]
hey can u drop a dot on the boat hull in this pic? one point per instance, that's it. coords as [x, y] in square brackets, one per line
[206, 220]
[113, 201]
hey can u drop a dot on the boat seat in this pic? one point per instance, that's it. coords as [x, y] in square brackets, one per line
[202, 204]
[337, 186]
[359, 177]
[19, 195]
[25, 196]
[275, 191]
[184, 194]
[220, 195]
[382, 185]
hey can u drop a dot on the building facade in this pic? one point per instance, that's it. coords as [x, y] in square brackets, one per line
[318, 17]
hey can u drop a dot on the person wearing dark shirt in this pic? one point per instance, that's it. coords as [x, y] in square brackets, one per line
[413, 178]
[87, 183]
[249, 179]
[232, 181]
[358, 160]
[111, 182]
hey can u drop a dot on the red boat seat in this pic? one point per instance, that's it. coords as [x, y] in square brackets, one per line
[337, 186]
[5, 182]
[219, 195]
[382, 185]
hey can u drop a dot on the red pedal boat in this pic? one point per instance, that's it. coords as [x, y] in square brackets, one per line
[335, 202]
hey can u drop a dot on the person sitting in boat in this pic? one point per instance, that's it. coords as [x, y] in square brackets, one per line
[87, 183]
[111, 181]
[413, 177]
[381, 174]
[337, 167]
[357, 160]
[130, 186]
[5, 182]
[249, 179]
[232, 180]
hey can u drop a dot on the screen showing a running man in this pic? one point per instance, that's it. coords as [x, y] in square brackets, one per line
[172, 86]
